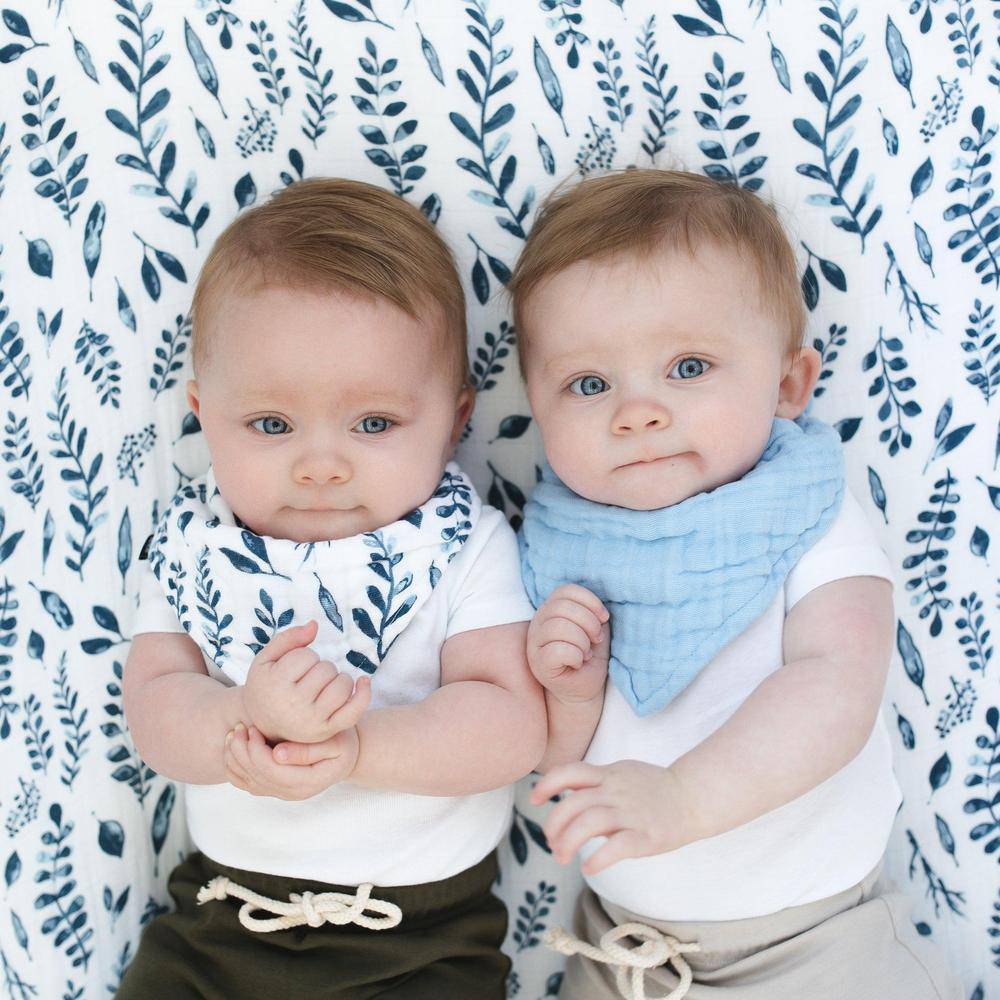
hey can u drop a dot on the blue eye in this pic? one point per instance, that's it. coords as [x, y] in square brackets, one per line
[374, 425]
[588, 385]
[689, 368]
[271, 425]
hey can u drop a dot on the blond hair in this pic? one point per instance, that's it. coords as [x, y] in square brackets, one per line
[332, 234]
[640, 212]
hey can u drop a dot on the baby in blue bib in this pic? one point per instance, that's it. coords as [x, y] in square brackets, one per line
[692, 540]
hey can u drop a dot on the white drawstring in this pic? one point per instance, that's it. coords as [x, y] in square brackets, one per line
[630, 964]
[309, 908]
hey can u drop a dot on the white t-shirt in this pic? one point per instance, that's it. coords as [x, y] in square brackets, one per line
[812, 847]
[348, 835]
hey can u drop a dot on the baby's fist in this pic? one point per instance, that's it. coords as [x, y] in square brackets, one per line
[569, 644]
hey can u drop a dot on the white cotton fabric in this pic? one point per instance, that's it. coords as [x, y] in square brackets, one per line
[815, 846]
[348, 835]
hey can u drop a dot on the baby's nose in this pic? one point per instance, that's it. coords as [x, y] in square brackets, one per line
[640, 416]
[321, 468]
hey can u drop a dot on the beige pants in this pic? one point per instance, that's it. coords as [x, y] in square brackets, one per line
[857, 945]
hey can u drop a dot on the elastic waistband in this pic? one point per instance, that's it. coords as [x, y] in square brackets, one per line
[414, 900]
[728, 937]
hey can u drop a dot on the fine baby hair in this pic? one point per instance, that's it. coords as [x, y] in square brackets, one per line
[641, 212]
[335, 234]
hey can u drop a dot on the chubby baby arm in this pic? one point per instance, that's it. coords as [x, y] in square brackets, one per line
[178, 715]
[483, 728]
[805, 722]
[568, 652]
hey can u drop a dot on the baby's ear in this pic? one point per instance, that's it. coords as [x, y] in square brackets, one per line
[463, 412]
[797, 384]
[192, 397]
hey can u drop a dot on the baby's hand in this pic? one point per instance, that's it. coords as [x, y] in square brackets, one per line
[291, 694]
[569, 643]
[639, 807]
[250, 765]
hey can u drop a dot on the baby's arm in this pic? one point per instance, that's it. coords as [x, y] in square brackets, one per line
[483, 728]
[568, 650]
[178, 715]
[804, 723]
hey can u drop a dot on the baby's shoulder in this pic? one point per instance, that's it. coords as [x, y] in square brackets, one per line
[850, 547]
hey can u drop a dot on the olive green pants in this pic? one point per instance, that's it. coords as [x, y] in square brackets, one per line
[446, 946]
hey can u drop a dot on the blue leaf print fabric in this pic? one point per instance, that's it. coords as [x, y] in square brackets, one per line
[132, 133]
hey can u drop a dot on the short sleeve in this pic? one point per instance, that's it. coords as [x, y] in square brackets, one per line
[488, 588]
[155, 613]
[849, 548]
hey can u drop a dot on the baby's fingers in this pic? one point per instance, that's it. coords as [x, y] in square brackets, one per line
[576, 613]
[357, 705]
[236, 777]
[596, 821]
[566, 812]
[619, 846]
[288, 639]
[236, 749]
[580, 595]
[554, 656]
[333, 696]
[566, 631]
[563, 778]
[305, 754]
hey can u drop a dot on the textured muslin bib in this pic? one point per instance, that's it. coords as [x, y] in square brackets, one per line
[682, 581]
[233, 590]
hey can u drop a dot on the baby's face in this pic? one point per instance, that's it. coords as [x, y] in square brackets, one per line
[326, 415]
[654, 380]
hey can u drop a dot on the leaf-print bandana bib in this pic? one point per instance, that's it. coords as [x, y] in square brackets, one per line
[233, 590]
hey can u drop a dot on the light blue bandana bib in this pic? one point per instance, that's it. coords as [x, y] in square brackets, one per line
[682, 581]
[232, 589]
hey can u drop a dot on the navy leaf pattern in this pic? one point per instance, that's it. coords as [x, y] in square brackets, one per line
[134, 132]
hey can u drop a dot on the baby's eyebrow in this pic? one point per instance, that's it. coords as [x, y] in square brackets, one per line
[275, 398]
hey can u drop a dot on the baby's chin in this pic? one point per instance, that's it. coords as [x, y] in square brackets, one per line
[639, 489]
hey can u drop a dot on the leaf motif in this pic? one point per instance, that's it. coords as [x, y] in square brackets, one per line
[344, 11]
[922, 178]
[431, 58]
[899, 56]
[40, 258]
[877, 491]
[83, 58]
[940, 772]
[12, 869]
[240, 561]
[106, 618]
[513, 426]
[111, 837]
[203, 64]
[694, 26]
[780, 65]
[480, 282]
[945, 836]
[361, 661]
[245, 190]
[92, 237]
[518, 843]
[364, 622]
[329, 606]
[979, 543]
[810, 288]
[551, 87]
[913, 663]
[161, 817]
